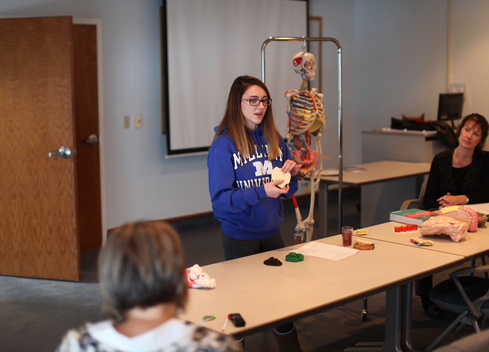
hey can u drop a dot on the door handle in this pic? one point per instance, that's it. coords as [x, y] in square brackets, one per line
[92, 139]
[63, 152]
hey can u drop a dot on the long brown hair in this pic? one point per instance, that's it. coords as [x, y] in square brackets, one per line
[235, 120]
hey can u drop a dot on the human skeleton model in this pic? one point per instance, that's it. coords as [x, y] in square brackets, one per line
[306, 121]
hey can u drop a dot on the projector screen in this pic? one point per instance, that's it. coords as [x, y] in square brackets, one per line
[206, 45]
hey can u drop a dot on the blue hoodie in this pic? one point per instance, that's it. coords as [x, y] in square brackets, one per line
[236, 186]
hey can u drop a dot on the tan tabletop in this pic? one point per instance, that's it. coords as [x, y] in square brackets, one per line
[475, 245]
[380, 171]
[268, 296]
[385, 185]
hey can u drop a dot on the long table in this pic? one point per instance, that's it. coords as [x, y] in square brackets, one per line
[269, 296]
[384, 186]
[474, 246]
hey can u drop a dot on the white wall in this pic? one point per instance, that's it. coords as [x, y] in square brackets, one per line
[471, 53]
[394, 63]
[338, 20]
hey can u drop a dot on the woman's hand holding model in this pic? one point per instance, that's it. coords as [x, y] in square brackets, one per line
[271, 188]
[292, 167]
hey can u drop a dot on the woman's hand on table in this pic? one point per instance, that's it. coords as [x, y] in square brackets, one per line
[449, 200]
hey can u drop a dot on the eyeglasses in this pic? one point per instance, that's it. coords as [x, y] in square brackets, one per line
[256, 102]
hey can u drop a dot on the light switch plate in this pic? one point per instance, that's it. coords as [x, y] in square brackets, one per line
[138, 122]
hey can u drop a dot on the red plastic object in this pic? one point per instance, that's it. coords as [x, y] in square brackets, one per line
[406, 228]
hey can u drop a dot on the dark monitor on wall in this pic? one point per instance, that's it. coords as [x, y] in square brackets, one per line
[450, 106]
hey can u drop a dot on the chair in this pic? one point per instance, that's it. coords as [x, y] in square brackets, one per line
[466, 295]
[417, 202]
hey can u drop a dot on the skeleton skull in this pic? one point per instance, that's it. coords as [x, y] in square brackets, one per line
[305, 64]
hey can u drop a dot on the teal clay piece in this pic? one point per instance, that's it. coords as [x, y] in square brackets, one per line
[294, 257]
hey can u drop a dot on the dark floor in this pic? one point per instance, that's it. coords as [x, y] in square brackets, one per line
[34, 314]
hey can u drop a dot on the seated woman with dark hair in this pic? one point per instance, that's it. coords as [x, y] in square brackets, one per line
[142, 280]
[460, 176]
[457, 176]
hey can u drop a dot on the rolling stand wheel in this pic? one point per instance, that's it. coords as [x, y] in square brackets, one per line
[364, 310]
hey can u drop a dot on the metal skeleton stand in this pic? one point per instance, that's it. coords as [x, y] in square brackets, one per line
[307, 224]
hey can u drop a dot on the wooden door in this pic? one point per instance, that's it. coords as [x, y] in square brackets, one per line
[38, 198]
[87, 141]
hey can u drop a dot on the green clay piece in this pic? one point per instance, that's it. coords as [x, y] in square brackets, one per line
[294, 257]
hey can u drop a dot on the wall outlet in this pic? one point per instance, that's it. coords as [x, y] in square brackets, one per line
[127, 121]
[138, 121]
[458, 87]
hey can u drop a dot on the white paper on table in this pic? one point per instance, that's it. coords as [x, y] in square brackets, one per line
[481, 207]
[326, 251]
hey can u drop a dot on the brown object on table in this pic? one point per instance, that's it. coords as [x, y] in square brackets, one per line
[482, 219]
[364, 246]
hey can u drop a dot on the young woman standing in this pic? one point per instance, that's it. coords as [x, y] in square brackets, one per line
[246, 148]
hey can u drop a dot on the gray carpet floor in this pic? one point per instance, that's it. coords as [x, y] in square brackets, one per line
[34, 313]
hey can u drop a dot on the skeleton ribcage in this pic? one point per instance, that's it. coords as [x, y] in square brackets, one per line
[302, 111]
